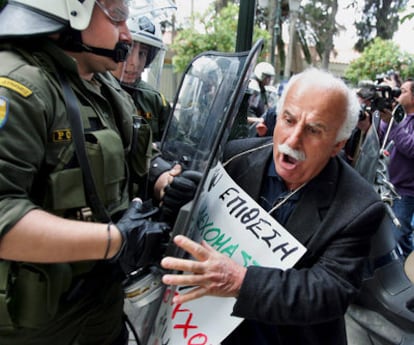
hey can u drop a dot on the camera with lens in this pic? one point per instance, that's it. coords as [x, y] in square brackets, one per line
[384, 97]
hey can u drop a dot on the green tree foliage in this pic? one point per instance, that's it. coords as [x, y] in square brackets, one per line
[218, 33]
[379, 57]
[2, 3]
[380, 18]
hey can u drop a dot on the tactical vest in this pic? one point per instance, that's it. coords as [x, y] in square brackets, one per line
[118, 145]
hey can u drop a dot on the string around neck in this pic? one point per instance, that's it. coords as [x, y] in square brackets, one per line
[286, 198]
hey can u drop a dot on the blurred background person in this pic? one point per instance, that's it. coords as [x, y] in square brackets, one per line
[353, 146]
[263, 75]
[258, 101]
[265, 127]
[401, 164]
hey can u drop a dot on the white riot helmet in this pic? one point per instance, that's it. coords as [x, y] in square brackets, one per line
[28, 18]
[147, 32]
[264, 69]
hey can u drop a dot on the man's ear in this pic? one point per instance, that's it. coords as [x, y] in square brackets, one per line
[338, 147]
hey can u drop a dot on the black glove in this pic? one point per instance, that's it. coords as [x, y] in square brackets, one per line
[143, 241]
[181, 190]
[158, 166]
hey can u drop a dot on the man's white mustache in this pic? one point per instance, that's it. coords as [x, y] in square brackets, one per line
[287, 150]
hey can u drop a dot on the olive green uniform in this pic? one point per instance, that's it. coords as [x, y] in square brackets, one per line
[52, 303]
[152, 106]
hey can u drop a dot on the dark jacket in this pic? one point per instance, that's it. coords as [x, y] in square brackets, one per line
[335, 219]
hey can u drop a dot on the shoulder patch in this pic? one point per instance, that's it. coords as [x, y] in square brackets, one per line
[164, 101]
[15, 86]
[62, 135]
[4, 110]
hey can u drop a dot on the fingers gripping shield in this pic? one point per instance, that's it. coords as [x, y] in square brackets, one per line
[178, 193]
[183, 184]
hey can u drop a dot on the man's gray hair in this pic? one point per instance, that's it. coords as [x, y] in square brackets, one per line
[325, 80]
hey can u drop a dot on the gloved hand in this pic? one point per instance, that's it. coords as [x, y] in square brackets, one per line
[143, 241]
[181, 190]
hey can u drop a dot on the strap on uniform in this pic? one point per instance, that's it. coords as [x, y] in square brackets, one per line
[73, 111]
[5, 320]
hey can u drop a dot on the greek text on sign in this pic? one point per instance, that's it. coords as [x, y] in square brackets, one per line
[230, 221]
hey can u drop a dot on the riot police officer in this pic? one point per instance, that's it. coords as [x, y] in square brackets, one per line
[69, 232]
[147, 53]
[258, 102]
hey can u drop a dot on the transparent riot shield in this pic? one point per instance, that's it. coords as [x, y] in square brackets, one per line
[208, 100]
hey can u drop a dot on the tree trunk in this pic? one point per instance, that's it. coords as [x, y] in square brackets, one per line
[272, 30]
[329, 46]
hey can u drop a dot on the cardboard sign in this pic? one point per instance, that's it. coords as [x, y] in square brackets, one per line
[230, 221]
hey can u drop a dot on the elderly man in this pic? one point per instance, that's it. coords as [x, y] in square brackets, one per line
[319, 199]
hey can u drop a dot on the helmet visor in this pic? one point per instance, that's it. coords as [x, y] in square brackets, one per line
[152, 74]
[133, 66]
[116, 10]
[136, 66]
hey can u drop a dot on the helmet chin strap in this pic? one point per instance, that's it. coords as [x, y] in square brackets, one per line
[118, 54]
[71, 40]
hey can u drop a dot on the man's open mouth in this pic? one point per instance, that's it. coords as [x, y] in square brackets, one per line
[289, 160]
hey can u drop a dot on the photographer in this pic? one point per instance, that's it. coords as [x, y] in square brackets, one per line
[380, 99]
[353, 145]
[401, 164]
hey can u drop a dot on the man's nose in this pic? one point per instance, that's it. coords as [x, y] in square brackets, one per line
[295, 138]
[124, 33]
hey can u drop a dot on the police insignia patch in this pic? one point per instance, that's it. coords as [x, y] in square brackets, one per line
[4, 110]
[62, 135]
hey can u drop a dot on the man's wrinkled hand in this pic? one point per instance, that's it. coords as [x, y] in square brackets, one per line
[211, 273]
